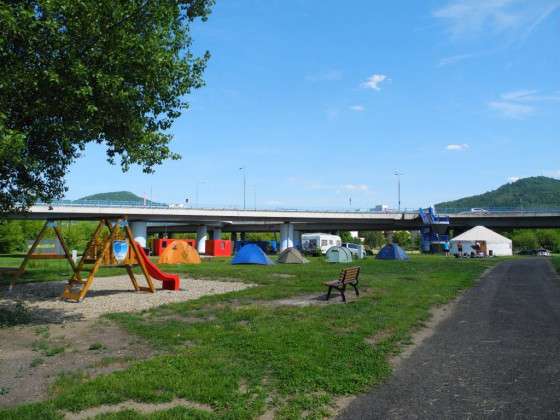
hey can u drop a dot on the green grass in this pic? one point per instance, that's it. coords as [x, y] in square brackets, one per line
[555, 259]
[243, 357]
[47, 270]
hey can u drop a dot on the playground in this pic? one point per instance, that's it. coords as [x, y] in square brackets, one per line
[265, 344]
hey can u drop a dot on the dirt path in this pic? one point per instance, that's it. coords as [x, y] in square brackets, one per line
[496, 355]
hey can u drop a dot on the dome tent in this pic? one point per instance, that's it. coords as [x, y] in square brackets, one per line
[251, 254]
[179, 252]
[391, 252]
[292, 256]
[338, 254]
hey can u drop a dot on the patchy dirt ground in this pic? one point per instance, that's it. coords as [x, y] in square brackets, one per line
[32, 356]
[70, 338]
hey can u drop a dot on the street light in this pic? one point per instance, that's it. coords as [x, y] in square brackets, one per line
[398, 175]
[244, 187]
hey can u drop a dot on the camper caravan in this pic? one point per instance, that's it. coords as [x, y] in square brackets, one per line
[312, 242]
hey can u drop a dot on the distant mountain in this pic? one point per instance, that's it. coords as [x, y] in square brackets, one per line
[533, 192]
[116, 196]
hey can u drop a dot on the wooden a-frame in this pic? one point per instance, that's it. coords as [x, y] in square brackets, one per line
[16, 273]
[84, 285]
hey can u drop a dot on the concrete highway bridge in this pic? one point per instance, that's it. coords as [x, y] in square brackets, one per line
[290, 223]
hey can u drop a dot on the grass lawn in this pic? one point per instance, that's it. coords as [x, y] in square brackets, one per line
[243, 355]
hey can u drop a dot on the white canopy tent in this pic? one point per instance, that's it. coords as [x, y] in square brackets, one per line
[490, 243]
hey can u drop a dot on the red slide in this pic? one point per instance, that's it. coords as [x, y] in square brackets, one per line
[170, 281]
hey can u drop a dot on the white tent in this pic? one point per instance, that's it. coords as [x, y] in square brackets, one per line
[489, 242]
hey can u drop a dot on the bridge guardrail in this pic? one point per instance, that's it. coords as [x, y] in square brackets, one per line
[153, 205]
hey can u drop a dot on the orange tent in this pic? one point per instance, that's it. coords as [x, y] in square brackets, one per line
[179, 252]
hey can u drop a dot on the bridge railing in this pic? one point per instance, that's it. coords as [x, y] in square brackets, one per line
[104, 203]
[154, 205]
[139, 204]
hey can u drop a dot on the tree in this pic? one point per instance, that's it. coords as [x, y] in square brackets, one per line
[374, 239]
[75, 72]
[402, 238]
[11, 237]
[524, 239]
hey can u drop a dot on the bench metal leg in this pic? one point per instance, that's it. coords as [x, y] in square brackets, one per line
[342, 290]
[329, 293]
[356, 289]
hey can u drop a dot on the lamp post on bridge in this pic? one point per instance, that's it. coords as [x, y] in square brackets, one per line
[244, 187]
[398, 175]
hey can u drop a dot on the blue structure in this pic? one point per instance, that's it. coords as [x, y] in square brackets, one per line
[392, 252]
[251, 254]
[434, 236]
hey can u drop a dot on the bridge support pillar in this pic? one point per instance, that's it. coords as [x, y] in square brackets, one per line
[243, 236]
[201, 237]
[297, 239]
[217, 234]
[286, 236]
[139, 232]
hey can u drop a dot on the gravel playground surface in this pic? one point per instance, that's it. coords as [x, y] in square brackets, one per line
[107, 294]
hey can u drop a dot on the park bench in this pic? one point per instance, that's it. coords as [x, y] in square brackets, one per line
[348, 276]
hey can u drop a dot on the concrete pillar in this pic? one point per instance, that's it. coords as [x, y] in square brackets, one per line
[234, 236]
[286, 236]
[297, 239]
[217, 234]
[201, 237]
[139, 232]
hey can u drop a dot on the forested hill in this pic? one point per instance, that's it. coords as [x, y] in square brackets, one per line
[115, 196]
[533, 192]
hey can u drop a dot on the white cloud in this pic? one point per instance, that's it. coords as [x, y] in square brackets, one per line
[511, 110]
[457, 147]
[515, 18]
[325, 76]
[514, 179]
[454, 59]
[374, 81]
[355, 187]
[358, 108]
[525, 95]
[521, 103]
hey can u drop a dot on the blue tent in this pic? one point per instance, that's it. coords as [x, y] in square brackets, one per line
[251, 254]
[391, 252]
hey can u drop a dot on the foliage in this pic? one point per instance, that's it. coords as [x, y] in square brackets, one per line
[75, 72]
[533, 192]
[243, 353]
[12, 237]
[346, 236]
[402, 238]
[530, 239]
[15, 234]
[374, 239]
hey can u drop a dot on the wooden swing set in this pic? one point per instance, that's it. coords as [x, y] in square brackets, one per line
[98, 252]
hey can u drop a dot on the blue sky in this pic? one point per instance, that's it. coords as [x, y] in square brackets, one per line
[321, 101]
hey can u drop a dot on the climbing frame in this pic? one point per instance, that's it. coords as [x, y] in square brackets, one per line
[77, 287]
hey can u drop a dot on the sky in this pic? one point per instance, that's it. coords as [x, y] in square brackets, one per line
[322, 101]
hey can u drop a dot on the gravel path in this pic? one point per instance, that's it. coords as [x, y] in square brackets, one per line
[107, 294]
[496, 356]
